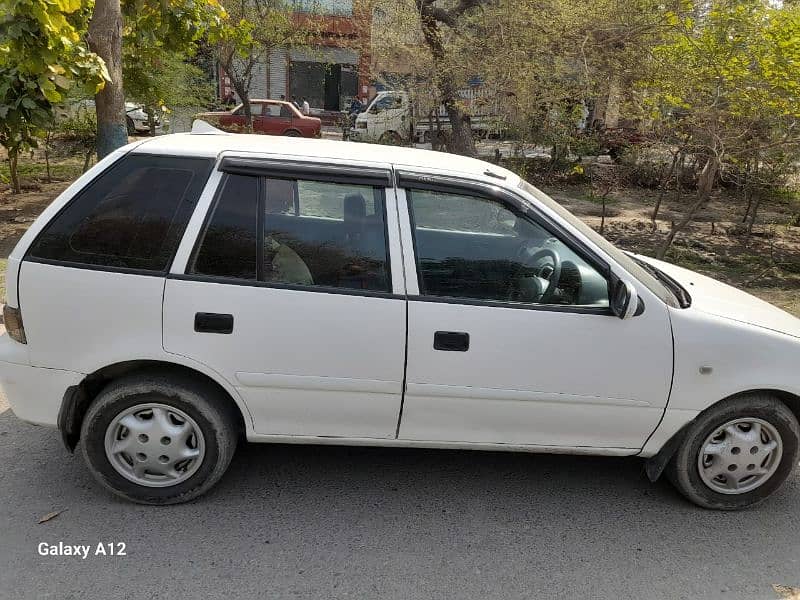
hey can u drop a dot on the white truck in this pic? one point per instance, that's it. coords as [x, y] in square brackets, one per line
[395, 117]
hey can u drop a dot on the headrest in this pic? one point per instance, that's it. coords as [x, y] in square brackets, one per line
[355, 207]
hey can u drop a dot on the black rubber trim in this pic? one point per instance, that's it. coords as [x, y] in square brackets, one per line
[69, 416]
[285, 286]
[315, 171]
[566, 308]
[655, 465]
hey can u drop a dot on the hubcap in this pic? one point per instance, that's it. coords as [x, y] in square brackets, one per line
[740, 456]
[154, 445]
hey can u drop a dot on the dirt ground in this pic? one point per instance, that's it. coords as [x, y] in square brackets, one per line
[766, 263]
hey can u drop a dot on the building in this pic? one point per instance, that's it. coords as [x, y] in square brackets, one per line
[329, 73]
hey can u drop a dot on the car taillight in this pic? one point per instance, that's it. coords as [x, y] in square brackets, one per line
[12, 317]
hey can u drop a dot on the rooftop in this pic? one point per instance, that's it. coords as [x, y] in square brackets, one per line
[213, 143]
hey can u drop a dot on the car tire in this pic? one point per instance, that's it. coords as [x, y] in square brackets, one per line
[130, 125]
[199, 416]
[293, 133]
[722, 439]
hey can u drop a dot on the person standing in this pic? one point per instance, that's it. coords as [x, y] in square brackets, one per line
[306, 108]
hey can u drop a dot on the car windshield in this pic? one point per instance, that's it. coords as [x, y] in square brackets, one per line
[623, 259]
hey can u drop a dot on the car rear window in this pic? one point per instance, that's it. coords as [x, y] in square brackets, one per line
[132, 216]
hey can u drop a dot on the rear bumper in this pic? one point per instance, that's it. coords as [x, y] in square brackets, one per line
[35, 393]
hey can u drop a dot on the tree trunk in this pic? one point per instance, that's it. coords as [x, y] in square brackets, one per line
[603, 217]
[460, 140]
[47, 155]
[151, 123]
[753, 212]
[663, 190]
[87, 160]
[105, 39]
[13, 154]
[705, 183]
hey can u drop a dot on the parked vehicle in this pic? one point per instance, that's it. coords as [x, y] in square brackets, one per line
[192, 289]
[395, 117]
[273, 117]
[137, 122]
[136, 119]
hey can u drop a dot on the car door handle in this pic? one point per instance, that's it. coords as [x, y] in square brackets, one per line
[451, 341]
[213, 323]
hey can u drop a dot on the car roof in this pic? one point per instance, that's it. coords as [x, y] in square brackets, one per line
[211, 145]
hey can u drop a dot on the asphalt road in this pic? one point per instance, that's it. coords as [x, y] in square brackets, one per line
[326, 522]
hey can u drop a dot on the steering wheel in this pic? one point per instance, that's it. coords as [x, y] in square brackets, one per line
[550, 273]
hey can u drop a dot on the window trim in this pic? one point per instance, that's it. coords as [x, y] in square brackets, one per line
[408, 181]
[310, 171]
[108, 268]
[258, 282]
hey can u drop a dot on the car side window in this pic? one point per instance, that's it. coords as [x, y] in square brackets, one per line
[480, 249]
[325, 234]
[286, 111]
[228, 246]
[131, 216]
[296, 232]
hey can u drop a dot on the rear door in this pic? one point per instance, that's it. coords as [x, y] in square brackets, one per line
[290, 292]
[275, 120]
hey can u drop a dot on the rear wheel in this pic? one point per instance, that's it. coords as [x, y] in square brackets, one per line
[738, 453]
[293, 133]
[158, 438]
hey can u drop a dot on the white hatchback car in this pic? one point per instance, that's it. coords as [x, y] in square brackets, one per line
[192, 289]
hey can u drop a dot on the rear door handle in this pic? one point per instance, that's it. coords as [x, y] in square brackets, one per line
[451, 341]
[213, 323]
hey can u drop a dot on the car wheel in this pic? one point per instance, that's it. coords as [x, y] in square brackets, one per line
[159, 438]
[293, 133]
[737, 453]
[130, 125]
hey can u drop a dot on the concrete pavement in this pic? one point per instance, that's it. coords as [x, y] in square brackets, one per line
[327, 522]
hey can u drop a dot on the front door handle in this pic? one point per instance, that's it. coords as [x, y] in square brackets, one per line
[451, 341]
[213, 323]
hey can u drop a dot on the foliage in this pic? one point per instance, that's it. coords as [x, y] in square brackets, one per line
[42, 56]
[161, 81]
[726, 79]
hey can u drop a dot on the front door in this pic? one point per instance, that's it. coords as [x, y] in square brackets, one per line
[510, 338]
[288, 294]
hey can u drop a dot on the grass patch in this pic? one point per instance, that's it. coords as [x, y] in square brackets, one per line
[36, 171]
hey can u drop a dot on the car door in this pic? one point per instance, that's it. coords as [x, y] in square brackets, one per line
[273, 121]
[495, 355]
[286, 289]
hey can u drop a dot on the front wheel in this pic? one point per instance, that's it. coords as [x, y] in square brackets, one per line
[158, 438]
[737, 453]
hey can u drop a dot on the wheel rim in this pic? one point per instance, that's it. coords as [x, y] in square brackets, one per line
[154, 445]
[740, 456]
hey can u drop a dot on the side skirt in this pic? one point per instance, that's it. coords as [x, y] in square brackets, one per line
[342, 441]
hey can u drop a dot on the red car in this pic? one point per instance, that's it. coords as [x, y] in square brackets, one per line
[273, 117]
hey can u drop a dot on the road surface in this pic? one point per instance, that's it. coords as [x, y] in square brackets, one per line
[327, 522]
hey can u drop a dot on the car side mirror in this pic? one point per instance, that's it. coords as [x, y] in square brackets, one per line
[625, 300]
